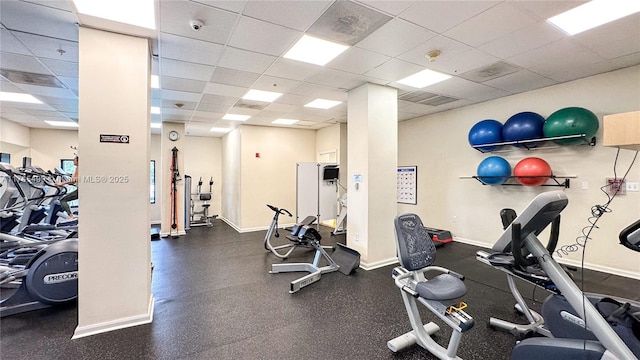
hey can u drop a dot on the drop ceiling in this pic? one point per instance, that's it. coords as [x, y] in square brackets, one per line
[492, 49]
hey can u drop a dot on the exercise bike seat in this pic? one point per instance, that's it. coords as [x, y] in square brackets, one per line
[441, 287]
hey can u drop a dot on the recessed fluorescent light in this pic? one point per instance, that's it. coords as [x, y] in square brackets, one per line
[155, 82]
[259, 95]
[18, 97]
[423, 78]
[284, 121]
[323, 104]
[235, 117]
[593, 14]
[155, 110]
[156, 125]
[139, 13]
[217, 129]
[62, 123]
[315, 51]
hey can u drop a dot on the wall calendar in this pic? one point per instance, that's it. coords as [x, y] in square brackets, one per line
[408, 185]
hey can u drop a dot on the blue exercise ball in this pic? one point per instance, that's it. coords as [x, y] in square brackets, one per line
[486, 132]
[494, 170]
[525, 125]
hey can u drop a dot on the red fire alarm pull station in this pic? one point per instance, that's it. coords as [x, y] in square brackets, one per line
[257, 155]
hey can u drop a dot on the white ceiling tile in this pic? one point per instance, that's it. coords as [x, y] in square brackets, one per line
[562, 55]
[271, 83]
[225, 90]
[291, 69]
[313, 91]
[180, 95]
[449, 49]
[626, 61]
[218, 99]
[394, 70]
[48, 47]
[393, 7]
[463, 62]
[243, 111]
[184, 105]
[293, 99]
[614, 39]
[213, 108]
[61, 68]
[395, 37]
[496, 22]
[235, 6]
[332, 78]
[440, 16]
[465, 89]
[234, 77]
[207, 116]
[11, 44]
[546, 9]
[285, 108]
[525, 39]
[70, 82]
[180, 84]
[520, 81]
[186, 49]
[358, 61]
[22, 63]
[582, 71]
[8, 87]
[263, 37]
[298, 15]
[47, 91]
[36, 19]
[175, 17]
[245, 60]
[183, 69]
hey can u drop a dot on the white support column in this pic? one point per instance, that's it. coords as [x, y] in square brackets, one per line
[372, 121]
[114, 251]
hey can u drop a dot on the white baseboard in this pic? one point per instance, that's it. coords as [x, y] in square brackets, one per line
[378, 264]
[576, 263]
[245, 230]
[471, 242]
[156, 222]
[167, 234]
[84, 331]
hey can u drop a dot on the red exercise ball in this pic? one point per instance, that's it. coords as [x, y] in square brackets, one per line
[532, 166]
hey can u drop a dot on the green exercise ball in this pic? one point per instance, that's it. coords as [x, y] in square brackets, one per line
[571, 121]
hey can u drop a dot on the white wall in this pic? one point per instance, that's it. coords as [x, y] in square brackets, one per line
[271, 178]
[15, 140]
[48, 146]
[13, 133]
[438, 145]
[230, 201]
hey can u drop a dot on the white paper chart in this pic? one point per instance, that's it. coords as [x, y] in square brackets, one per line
[408, 184]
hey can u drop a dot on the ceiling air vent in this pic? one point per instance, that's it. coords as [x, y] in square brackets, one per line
[347, 23]
[438, 100]
[426, 98]
[23, 77]
[489, 72]
[249, 104]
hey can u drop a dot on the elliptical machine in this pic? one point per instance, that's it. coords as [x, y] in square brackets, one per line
[294, 242]
[46, 274]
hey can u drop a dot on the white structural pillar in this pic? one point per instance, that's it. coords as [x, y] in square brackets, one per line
[372, 121]
[166, 146]
[114, 135]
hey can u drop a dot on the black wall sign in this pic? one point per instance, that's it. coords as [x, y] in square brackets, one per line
[119, 139]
